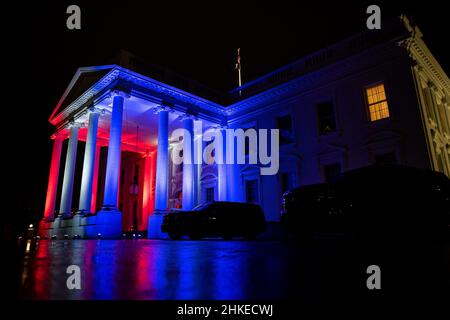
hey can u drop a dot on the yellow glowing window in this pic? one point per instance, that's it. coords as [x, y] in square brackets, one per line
[376, 100]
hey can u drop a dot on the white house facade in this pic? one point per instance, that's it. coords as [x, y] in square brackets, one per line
[379, 96]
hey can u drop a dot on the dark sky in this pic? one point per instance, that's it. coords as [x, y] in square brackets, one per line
[197, 41]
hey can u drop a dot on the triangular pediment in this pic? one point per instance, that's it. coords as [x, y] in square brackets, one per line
[83, 79]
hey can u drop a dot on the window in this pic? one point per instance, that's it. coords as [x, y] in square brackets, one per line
[253, 148]
[209, 194]
[287, 181]
[179, 167]
[386, 158]
[327, 121]
[251, 191]
[332, 171]
[284, 124]
[377, 103]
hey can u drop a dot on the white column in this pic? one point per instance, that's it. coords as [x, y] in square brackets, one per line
[188, 164]
[109, 218]
[198, 160]
[53, 178]
[114, 152]
[69, 171]
[162, 162]
[162, 169]
[95, 179]
[220, 156]
[89, 162]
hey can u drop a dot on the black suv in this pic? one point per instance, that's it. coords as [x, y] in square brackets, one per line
[372, 202]
[224, 219]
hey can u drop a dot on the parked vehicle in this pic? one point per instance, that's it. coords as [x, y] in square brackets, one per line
[372, 202]
[224, 219]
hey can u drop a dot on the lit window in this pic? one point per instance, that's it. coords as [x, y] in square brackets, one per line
[376, 100]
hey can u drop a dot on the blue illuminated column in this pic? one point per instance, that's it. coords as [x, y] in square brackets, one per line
[114, 148]
[220, 156]
[162, 175]
[188, 163]
[162, 162]
[108, 221]
[69, 171]
[198, 154]
[88, 163]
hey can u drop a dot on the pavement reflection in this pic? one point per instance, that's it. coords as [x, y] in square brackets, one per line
[215, 269]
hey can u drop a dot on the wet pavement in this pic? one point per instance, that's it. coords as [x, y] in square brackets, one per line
[216, 269]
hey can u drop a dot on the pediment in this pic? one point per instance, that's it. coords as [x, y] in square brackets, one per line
[83, 79]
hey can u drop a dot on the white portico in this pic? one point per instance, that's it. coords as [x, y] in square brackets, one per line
[124, 122]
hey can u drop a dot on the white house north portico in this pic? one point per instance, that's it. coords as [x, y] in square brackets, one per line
[131, 123]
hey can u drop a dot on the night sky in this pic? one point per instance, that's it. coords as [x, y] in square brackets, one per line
[197, 41]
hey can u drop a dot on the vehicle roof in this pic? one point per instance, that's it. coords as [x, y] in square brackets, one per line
[380, 170]
[377, 172]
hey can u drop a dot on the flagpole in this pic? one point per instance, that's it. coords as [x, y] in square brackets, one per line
[240, 81]
[239, 75]
[238, 67]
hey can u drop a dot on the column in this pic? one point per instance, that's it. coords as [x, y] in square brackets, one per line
[162, 162]
[95, 180]
[69, 171]
[198, 160]
[108, 221]
[220, 157]
[87, 177]
[114, 148]
[53, 178]
[188, 164]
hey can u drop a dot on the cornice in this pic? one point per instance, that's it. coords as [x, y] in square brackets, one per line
[212, 110]
[84, 100]
[427, 64]
[290, 91]
[184, 102]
